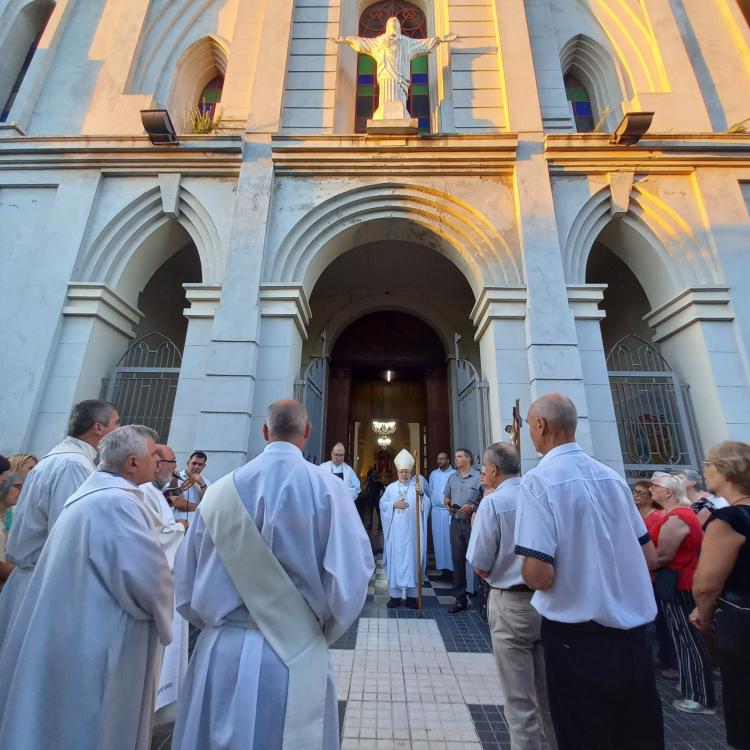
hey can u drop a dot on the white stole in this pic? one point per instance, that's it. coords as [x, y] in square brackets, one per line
[276, 606]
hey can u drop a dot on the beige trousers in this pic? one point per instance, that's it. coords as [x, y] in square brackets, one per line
[516, 642]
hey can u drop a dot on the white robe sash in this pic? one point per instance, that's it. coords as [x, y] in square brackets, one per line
[278, 609]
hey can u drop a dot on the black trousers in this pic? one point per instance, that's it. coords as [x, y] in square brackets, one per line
[460, 533]
[601, 685]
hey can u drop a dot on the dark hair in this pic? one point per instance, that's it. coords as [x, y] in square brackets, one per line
[4, 465]
[88, 413]
[466, 453]
[505, 457]
[642, 483]
[199, 454]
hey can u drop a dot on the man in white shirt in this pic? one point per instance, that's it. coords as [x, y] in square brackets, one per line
[439, 516]
[342, 471]
[514, 623]
[185, 503]
[587, 554]
[52, 481]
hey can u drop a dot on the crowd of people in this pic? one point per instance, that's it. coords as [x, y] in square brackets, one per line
[111, 550]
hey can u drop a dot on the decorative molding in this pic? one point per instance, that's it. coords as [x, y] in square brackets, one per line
[592, 153]
[688, 307]
[203, 299]
[96, 300]
[286, 301]
[620, 187]
[206, 155]
[498, 303]
[584, 300]
[365, 156]
[169, 186]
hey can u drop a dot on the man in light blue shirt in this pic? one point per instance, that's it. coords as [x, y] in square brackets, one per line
[587, 554]
[514, 623]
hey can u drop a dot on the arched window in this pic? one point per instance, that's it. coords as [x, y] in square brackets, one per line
[211, 96]
[580, 104]
[18, 50]
[414, 24]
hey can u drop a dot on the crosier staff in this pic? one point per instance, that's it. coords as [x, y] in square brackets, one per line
[418, 509]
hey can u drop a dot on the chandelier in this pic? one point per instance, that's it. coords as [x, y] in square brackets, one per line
[383, 429]
[384, 442]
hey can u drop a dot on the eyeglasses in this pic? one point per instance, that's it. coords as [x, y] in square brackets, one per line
[167, 460]
[17, 485]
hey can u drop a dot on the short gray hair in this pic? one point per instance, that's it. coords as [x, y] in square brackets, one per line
[505, 457]
[88, 413]
[130, 440]
[286, 419]
[557, 410]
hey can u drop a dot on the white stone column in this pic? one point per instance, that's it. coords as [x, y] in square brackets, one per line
[499, 316]
[97, 327]
[697, 334]
[203, 300]
[584, 301]
[284, 317]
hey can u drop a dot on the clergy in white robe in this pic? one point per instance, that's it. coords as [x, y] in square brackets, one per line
[48, 485]
[169, 534]
[398, 513]
[342, 471]
[78, 664]
[439, 517]
[236, 689]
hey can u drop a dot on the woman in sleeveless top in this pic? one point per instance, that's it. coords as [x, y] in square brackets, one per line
[721, 585]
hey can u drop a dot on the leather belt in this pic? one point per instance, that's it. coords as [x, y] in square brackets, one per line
[517, 587]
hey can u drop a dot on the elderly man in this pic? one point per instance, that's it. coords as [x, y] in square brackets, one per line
[587, 554]
[169, 534]
[57, 476]
[342, 471]
[440, 518]
[515, 624]
[275, 566]
[462, 494]
[398, 512]
[80, 657]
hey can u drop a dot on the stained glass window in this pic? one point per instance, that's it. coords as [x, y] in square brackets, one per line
[211, 96]
[580, 104]
[413, 24]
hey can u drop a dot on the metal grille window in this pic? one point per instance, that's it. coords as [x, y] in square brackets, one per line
[651, 409]
[413, 24]
[144, 383]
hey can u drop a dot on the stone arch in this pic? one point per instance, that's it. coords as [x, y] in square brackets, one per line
[199, 64]
[657, 245]
[435, 219]
[109, 258]
[21, 24]
[595, 68]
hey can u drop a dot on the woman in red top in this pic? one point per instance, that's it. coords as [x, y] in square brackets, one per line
[678, 538]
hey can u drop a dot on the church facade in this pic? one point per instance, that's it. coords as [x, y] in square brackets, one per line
[511, 247]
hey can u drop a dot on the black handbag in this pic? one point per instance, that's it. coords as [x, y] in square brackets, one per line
[665, 585]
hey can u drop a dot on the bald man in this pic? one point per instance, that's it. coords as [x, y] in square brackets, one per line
[274, 568]
[342, 471]
[587, 554]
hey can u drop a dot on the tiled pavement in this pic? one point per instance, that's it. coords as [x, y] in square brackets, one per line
[426, 680]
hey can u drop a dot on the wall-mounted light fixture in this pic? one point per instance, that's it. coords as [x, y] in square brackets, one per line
[632, 128]
[158, 125]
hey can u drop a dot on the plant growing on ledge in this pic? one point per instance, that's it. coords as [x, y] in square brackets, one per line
[202, 120]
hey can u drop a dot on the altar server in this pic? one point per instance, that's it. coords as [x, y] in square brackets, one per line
[342, 471]
[398, 512]
[275, 568]
[79, 659]
[441, 519]
[55, 478]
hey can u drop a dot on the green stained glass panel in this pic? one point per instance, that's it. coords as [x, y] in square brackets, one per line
[365, 91]
[420, 90]
[365, 64]
[419, 64]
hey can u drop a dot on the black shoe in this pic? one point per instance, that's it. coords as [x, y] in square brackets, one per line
[412, 602]
[471, 594]
[446, 575]
[457, 607]
[393, 603]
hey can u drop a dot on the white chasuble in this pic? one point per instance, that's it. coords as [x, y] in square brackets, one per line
[400, 536]
[240, 692]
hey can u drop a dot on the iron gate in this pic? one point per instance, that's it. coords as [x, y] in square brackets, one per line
[652, 410]
[144, 383]
[311, 391]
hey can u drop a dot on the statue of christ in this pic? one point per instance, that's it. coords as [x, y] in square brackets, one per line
[393, 53]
